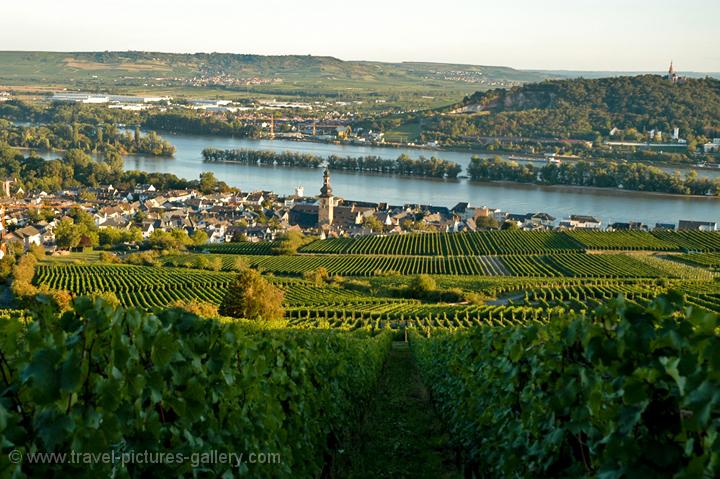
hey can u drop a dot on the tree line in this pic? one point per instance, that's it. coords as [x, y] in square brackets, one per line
[85, 137]
[76, 169]
[404, 165]
[602, 174]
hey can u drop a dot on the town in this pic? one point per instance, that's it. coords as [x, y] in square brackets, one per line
[125, 220]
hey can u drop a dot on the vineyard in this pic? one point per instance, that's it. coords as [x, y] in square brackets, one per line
[181, 385]
[574, 265]
[501, 340]
[692, 241]
[709, 261]
[518, 304]
[518, 242]
[139, 286]
[583, 396]
[508, 300]
[244, 247]
[622, 240]
[449, 244]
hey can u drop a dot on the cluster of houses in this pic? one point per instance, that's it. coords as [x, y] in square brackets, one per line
[262, 215]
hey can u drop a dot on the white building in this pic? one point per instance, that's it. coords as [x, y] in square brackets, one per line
[79, 97]
[713, 146]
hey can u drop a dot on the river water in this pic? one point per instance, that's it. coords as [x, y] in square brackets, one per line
[608, 205]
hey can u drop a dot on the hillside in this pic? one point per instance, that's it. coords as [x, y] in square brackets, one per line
[586, 109]
[225, 74]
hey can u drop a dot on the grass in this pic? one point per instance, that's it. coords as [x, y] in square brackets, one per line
[91, 257]
[404, 133]
[401, 437]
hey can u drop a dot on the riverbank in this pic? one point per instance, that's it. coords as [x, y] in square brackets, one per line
[531, 157]
[606, 204]
[597, 189]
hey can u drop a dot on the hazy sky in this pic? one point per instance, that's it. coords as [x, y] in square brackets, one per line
[552, 34]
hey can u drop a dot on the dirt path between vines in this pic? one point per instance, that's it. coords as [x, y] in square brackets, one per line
[401, 436]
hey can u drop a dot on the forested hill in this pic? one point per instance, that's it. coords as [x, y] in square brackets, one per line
[586, 109]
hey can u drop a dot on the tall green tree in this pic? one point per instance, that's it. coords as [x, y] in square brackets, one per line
[251, 296]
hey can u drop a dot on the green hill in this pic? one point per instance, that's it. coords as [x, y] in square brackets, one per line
[586, 109]
[228, 75]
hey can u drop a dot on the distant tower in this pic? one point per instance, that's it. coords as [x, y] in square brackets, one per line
[672, 74]
[327, 201]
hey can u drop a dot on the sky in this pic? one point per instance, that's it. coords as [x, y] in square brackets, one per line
[627, 35]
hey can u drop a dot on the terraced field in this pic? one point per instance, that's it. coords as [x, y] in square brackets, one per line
[140, 286]
[621, 240]
[522, 276]
[245, 247]
[449, 244]
[518, 242]
[573, 265]
[709, 261]
[702, 241]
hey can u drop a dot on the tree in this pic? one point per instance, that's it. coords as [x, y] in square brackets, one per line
[199, 237]
[317, 276]
[23, 273]
[374, 224]
[67, 234]
[114, 160]
[208, 182]
[290, 242]
[251, 296]
[487, 222]
[176, 239]
[422, 285]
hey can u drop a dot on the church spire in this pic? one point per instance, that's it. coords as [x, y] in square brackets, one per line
[326, 189]
[671, 71]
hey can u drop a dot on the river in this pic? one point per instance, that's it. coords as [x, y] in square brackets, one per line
[607, 205]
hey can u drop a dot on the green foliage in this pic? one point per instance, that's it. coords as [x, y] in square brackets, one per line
[144, 258]
[111, 237]
[290, 242]
[22, 274]
[243, 247]
[69, 235]
[251, 296]
[176, 239]
[98, 379]
[317, 276]
[585, 109]
[37, 250]
[444, 244]
[141, 286]
[84, 137]
[186, 122]
[78, 169]
[584, 397]
[596, 173]
[422, 285]
[403, 165]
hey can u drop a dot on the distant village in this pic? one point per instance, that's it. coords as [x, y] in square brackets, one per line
[263, 216]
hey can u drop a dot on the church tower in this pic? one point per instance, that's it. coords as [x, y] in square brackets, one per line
[327, 201]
